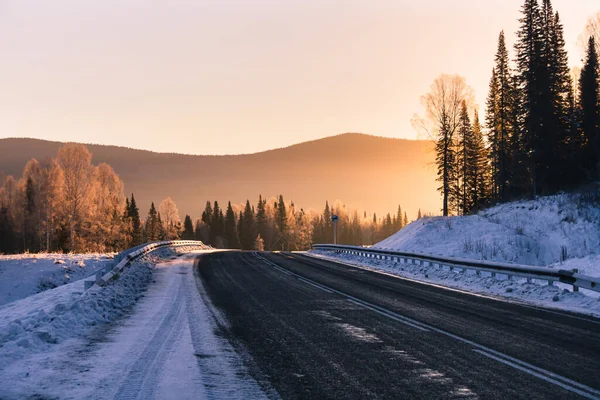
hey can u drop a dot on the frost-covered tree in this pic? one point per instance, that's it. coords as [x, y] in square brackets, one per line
[76, 163]
[259, 243]
[171, 221]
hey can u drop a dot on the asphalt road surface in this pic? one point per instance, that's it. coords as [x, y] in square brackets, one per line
[318, 329]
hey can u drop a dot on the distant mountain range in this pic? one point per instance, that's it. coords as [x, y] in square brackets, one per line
[370, 173]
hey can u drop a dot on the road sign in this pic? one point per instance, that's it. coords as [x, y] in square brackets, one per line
[334, 219]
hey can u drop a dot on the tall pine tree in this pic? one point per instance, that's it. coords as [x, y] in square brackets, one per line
[530, 73]
[188, 229]
[231, 234]
[589, 103]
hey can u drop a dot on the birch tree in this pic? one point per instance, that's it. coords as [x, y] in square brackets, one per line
[76, 163]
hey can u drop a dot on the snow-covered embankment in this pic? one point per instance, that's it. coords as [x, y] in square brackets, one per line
[561, 232]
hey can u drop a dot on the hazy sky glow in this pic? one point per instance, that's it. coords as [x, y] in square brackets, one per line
[237, 76]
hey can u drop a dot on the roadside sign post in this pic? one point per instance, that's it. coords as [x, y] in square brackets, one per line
[334, 219]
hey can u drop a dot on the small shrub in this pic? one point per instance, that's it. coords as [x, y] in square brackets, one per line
[481, 246]
[468, 245]
[564, 253]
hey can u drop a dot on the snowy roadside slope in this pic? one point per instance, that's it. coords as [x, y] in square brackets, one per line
[24, 275]
[561, 231]
[166, 345]
[36, 323]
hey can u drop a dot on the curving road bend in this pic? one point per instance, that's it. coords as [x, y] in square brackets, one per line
[318, 329]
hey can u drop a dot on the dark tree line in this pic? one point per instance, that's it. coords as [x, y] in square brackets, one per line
[279, 225]
[543, 128]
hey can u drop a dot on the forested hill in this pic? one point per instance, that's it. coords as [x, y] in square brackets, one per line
[366, 172]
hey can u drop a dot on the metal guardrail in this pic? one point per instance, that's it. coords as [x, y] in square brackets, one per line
[564, 276]
[124, 258]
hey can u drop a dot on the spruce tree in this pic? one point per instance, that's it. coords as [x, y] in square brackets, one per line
[478, 175]
[503, 110]
[261, 217]
[136, 223]
[231, 234]
[328, 225]
[557, 94]
[464, 160]
[7, 233]
[207, 214]
[152, 228]
[161, 229]
[241, 231]
[198, 235]
[188, 229]
[493, 136]
[589, 103]
[216, 229]
[282, 216]
[531, 75]
[518, 168]
[127, 209]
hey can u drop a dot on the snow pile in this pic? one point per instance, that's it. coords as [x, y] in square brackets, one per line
[561, 231]
[23, 275]
[35, 323]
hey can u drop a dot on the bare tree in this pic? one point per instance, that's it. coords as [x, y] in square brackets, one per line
[592, 29]
[76, 163]
[442, 117]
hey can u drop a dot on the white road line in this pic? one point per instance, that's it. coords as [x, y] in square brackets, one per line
[536, 374]
[449, 288]
[548, 376]
[316, 286]
[393, 317]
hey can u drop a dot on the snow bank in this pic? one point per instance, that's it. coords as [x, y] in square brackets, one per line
[561, 231]
[35, 323]
[23, 275]
[537, 292]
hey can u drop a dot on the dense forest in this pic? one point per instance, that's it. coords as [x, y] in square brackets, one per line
[275, 224]
[67, 204]
[541, 133]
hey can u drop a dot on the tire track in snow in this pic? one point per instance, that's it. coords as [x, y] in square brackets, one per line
[143, 376]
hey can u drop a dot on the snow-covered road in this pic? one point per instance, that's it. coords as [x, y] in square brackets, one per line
[168, 347]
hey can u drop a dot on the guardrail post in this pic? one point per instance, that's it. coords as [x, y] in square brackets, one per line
[575, 287]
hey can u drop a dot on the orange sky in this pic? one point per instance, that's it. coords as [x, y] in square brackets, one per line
[233, 76]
